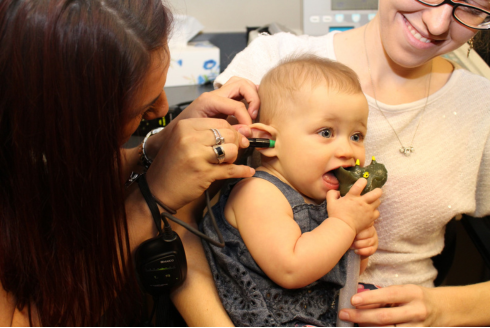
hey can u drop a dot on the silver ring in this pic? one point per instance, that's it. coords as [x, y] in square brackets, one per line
[220, 153]
[219, 139]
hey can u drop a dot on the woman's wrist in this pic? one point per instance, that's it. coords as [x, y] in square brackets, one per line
[146, 152]
[148, 148]
[461, 305]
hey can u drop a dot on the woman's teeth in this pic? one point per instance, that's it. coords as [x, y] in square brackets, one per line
[416, 34]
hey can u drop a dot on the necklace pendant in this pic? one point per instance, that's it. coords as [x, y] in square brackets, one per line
[407, 150]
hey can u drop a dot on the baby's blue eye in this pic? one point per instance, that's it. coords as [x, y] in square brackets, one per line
[327, 133]
[357, 137]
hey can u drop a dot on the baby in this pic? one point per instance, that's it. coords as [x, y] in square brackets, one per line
[287, 229]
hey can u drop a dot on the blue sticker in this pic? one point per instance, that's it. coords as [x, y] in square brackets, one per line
[209, 64]
[179, 62]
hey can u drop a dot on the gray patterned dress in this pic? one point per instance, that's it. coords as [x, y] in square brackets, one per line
[248, 295]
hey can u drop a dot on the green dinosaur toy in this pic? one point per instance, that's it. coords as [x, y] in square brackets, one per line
[375, 173]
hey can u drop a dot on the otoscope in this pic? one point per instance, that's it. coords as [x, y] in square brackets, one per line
[261, 143]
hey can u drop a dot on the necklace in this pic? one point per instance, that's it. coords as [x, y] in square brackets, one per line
[404, 150]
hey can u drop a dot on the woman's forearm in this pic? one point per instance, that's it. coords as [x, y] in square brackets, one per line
[197, 299]
[463, 305]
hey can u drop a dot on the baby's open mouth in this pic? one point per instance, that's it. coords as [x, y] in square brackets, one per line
[331, 180]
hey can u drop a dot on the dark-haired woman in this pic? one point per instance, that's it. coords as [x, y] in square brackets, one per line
[77, 77]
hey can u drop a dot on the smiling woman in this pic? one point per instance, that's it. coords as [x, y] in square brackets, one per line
[417, 100]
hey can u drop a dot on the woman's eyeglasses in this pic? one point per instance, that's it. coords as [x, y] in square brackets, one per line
[472, 13]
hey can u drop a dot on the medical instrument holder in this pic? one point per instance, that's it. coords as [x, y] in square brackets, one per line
[353, 267]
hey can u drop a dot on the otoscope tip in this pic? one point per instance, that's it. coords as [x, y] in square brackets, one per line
[261, 143]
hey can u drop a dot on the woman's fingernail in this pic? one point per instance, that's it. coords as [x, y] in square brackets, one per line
[252, 171]
[344, 315]
[356, 300]
[254, 114]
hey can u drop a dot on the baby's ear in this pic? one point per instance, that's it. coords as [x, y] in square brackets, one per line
[260, 130]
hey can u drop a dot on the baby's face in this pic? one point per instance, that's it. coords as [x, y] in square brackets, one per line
[324, 130]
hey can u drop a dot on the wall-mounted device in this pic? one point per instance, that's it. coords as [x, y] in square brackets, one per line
[323, 16]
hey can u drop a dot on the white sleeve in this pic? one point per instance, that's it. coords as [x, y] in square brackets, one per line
[260, 56]
[483, 184]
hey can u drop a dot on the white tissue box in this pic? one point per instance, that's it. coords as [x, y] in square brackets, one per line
[196, 63]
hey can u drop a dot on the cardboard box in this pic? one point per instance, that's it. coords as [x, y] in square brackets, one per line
[196, 63]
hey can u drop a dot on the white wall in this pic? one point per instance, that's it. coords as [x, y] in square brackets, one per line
[236, 15]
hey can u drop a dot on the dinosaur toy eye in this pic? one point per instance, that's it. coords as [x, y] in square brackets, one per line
[366, 175]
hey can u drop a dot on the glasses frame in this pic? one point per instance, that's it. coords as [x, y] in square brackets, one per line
[456, 5]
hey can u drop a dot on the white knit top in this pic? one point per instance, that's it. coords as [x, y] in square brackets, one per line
[447, 175]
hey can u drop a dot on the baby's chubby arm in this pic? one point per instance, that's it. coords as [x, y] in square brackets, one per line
[291, 259]
[366, 241]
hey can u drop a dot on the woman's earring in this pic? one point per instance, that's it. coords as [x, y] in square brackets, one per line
[470, 43]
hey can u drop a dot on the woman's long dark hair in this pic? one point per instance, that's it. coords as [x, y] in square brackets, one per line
[69, 70]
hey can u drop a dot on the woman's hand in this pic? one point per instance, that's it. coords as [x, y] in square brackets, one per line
[187, 163]
[229, 100]
[405, 305]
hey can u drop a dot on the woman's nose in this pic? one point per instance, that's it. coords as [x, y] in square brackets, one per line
[438, 19]
[160, 108]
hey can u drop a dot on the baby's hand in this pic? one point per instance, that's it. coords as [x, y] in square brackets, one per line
[366, 242]
[359, 212]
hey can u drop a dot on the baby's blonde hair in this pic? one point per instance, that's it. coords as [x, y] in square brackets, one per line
[294, 73]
